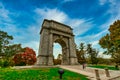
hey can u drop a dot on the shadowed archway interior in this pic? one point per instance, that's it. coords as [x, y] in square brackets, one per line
[64, 54]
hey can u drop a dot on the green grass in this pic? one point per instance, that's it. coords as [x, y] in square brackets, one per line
[103, 67]
[38, 74]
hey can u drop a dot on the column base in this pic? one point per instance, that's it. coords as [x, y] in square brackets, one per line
[44, 60]
[73, 61]
[41, 60]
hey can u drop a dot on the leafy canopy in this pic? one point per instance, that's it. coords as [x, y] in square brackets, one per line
[111, 41]
[4, 41]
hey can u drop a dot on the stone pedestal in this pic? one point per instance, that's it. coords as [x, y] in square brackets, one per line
[107, 73]
[97, 74]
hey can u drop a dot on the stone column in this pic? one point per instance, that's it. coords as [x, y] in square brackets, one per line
[43, 48]
[72, 52]
[68, 55]
[50, 51]
[65, 56]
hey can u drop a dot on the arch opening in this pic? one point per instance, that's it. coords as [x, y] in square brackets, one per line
[57, 54]
[57, 49]
[62, 57]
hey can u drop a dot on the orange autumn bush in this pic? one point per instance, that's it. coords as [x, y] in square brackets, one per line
[27, 57]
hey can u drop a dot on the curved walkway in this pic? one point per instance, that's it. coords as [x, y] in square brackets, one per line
[90, 72]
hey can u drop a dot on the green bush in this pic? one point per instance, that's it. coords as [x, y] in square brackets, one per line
[6, 62]
[1, 62]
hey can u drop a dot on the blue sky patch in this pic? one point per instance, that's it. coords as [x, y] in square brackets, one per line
[90, 19]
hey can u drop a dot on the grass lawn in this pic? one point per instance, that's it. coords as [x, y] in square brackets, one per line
[38, 74]
[103, 67]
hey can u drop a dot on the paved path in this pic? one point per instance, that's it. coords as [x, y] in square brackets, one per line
[90, 72]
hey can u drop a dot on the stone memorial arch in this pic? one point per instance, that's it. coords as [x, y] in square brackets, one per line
[51, 32]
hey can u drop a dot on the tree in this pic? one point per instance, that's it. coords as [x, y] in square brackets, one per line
[81, 54]
[107, 61]
[92, 53]
[116, 58]
[87, 54]
[59, 56]
[106, 43]
[93, 56]
[111, 42]
[19, 59]
[58, 60]
[89, 49]
[4, 41]
[7, 50]
[28, 57]
[115, 33]
[11, 50]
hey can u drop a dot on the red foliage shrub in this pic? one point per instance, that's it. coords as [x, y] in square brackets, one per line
[28, 57]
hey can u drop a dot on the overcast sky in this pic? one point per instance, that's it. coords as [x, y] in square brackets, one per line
[90, 19]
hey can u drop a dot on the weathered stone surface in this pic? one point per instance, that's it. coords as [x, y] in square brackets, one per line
[51, 32]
